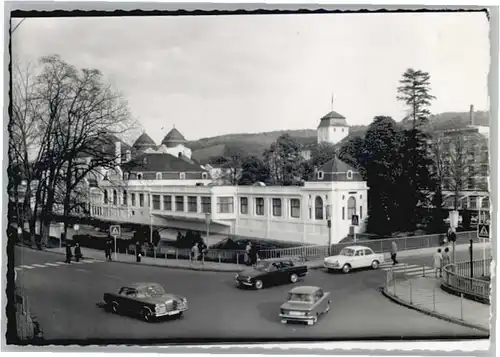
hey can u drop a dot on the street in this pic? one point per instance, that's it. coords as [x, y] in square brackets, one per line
[64, 299]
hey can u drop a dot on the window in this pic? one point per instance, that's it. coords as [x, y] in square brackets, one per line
[204, 175]
[349, 175]
[343, 213]
[106, 196]
[179, 203]
[139, 176]
[342, 129]
[141, 199]
[206, 204]
[132, 198]
[259, 206]
[359, 253]
[295, 208]
[115, 198]
[244, 205]
[318, 208]
[360, 212]
[277, 207]
[334, 130]
[126, 176]
[368, 252]
[182, 175]
[225, 205]
[351, 207]
[158, 176]
[320, 175]
[167, 203]
[192, 204]
[156, 201]
[125, 197]
[471, 183]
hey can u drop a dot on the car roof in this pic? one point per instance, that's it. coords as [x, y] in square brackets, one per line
[304, 289]
[277, 259]
[357, 247]
[140, 285]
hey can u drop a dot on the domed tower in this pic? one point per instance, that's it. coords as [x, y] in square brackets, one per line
[332, 128]
[174, 143]
[144, 142]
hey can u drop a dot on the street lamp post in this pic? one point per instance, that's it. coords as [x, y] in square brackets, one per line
[208, 219]
[329, 224]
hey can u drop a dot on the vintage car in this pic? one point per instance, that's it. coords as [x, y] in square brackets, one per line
[148, 300]
[305, 304]
[353, 257]
[271, 272]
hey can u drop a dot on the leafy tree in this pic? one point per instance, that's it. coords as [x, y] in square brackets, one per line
[284, 160]
[353, 153]
[253, 170]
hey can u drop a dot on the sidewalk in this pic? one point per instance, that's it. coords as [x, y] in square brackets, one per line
[425, 295]
[162, 262]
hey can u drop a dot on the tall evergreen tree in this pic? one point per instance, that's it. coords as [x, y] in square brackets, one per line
[417, 181]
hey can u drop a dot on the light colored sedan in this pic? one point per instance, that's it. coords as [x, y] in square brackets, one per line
[353, 257]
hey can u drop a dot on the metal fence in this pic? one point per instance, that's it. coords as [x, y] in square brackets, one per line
[378, 246]
[474, 283]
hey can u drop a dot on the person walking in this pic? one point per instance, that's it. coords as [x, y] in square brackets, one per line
[78, 252]
[195, 252]
[203, 250]
[138, 252]
[253, 255]
[394, 252]
[438, 263]
[69, 255]
[248, 250]
[446, 257]
[108, 248]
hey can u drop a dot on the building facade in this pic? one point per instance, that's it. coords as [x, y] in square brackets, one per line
[172, 193]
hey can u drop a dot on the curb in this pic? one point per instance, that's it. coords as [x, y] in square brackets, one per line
[169, 266]
[431, 313]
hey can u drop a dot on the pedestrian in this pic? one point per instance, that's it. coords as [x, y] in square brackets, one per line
[248, 250]
[203, 251]
[107, 248]
[438, 263]
[69, 255]
[394, 252]
[446, 257]
[138, 252]
[78, 252]
[195, 252]
[253, 255]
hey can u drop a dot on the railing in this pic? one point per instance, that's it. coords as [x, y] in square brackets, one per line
[457, 279]
[378, 246]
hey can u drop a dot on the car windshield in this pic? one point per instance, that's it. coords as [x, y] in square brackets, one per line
[152, 290]
[300, 297]
[347, 252]
[262, 265]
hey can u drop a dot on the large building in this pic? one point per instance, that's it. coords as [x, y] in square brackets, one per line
[464, 157]
[163, 187]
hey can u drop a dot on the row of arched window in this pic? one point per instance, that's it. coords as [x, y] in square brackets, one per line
[318, 208]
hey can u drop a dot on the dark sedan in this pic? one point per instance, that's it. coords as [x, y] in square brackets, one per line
[271, 272]
[149, 300]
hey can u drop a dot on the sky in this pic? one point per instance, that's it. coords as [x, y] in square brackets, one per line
[216, 75]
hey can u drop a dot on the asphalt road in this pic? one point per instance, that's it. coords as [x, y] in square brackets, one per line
[64, 299]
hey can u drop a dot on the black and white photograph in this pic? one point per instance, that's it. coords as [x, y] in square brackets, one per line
[247, 178]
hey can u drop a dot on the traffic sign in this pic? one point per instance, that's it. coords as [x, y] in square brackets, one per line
[115, 231]
[355, 220]
[483, 230]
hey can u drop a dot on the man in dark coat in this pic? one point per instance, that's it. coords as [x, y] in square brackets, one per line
[69, 255]
[108, 248]
[138, 252]
[78, 252]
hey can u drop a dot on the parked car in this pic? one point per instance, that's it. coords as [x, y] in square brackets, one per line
[147, 300]
[305, 303]
[353, 257]
[271, 272]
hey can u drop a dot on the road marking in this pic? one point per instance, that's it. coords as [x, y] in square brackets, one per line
[52, 264]
[79, 262]
[60, 263]
[39, 265]
[27, 267]
[18, 269]
[112, 276]
[82, 270]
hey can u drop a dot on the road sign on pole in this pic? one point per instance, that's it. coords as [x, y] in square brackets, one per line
[115, 232]
[483, 230]
[355, 220]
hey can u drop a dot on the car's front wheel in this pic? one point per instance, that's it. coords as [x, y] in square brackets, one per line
[258, 284]
[346, 268]
[294, 278]
[375, 264]
[147, 315]
[114, 307]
